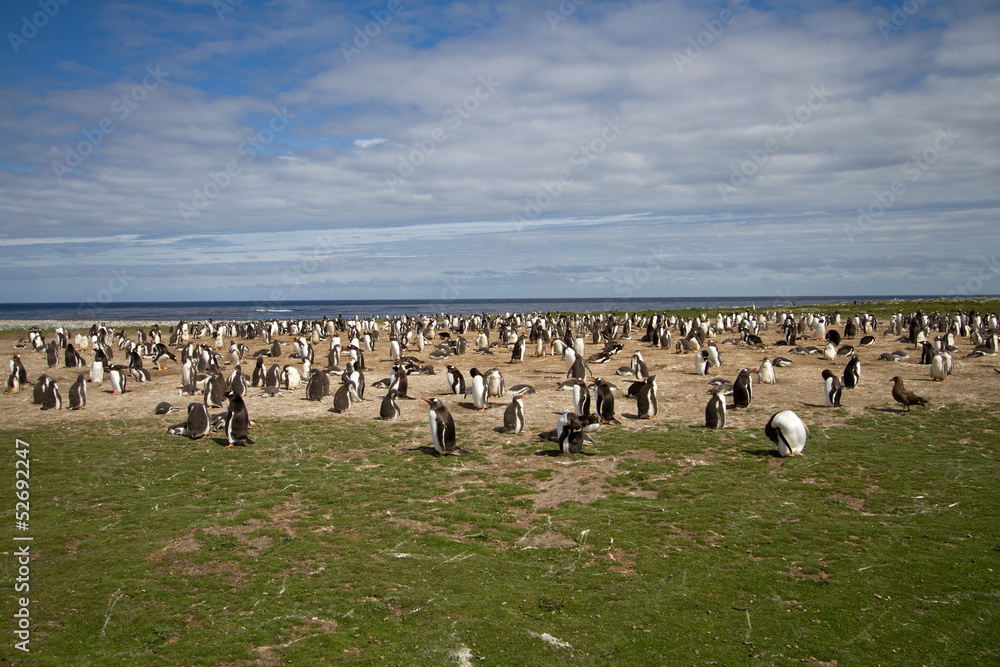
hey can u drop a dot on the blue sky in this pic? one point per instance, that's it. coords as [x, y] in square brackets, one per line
[190, 149]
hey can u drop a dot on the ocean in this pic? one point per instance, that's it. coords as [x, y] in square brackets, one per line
[27, 314]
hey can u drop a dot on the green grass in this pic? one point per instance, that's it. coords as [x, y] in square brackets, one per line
[328, 542]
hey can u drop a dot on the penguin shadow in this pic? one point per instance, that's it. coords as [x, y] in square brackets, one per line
[893, 411]
[764, 453]
[223, 442]
[472, 406]
[501, 429]
[554, 453]
[430, 451]
[816, 405]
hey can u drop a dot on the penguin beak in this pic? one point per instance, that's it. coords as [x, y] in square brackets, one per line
[426, 399]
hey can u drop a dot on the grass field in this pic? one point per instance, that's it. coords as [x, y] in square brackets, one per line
[339, 542]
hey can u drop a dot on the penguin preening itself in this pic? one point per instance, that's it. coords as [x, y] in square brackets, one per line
[389, 409]
[786, 430]
[480, 398]
[442, 427]
[513, 416]
[237, 421]
[198, 423]
[715, 411]
[78, 393]
[852, 373]
[743, 389]
[646, 398]
[832, 388]
[604, 401]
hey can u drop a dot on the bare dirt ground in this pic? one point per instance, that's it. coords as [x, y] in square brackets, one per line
[681, 393]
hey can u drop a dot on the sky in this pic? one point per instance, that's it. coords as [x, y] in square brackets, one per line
[244, 150]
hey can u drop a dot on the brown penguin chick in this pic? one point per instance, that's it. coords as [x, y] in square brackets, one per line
[905, 397]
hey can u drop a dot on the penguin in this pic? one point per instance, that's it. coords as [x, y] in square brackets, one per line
[389, 409]
[290, 376]
[38, 391]
[714, 358]
[78, 393]
[577, 370]
[343, 399]
[832, 388]
[638, 366]
[119, 381]
[140, 374]
[395, 349]
[765, 373]
[398, 380]
[581, 398]
[852, 373]
[97, 367]
[646, 398]
[517, 353]
[830, 352]
[715, 411]
[198, 423]
[743, 389]
[569, 430]
[238, 381]
[51, 354]
[939, 367]
[163, 408]
[318, 386]
[237, 421]
[513, 416]
[273, 376]
[786, 430]
[442, 427]
[480, 397]
[926, 354]
[214, 392]
[494, 383]
[13, 385]
[604, 401]
[257, 377]
[51, 399]
[701, 364]
[456, 380]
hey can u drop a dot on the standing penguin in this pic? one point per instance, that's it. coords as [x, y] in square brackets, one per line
[715, 411]
[513, 416]
[832, 389]
[939, 367]
[78, 393]
[852, 373]
[398, 380]
[765, 374]
[456, 380]
[317, 385]
[389, 409]
[701, 364]
[581, 398]
[786, 430]
[51, 399]
[442, 428]
[517, 353]
[743, 389]
[344, 397]
[638, 366]
[237, 421]
[119, 380]
[569, 430]
[198, 423]
[604, 401]
[97, 367]
[257, 377]
[480, 398]
[495, 387]
[646, 398]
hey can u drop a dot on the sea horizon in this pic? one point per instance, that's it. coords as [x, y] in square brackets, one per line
[172, 311]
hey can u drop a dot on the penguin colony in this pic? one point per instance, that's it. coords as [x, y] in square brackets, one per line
[228, 366]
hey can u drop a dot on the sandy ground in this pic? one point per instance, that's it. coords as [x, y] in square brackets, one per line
[681, 395]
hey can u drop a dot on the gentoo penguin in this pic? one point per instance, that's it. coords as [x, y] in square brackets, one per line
[78, 393]
[395, 349]
[344, 397]
[442, 427]
[581, 398]
[198, 423]
[517, 353]
[456, 380]
[903, 396]
[714, 358]
[237, 421]
[830, 352]
[163, 408]
[257, 377]
[765, 374]
[604, 401]
[743, 389]
[701, 362]
[926, 354]
[495, 387]
[480, 397]
[646, 398]
[13, 385]
[389, 409]
[214, 392]
[398, 380]
[577, 370]
[832, 388]
[97, 367]
[51, 354]
[852, 373]
[51, 399]
[569, 430]
[119, 380]
[939, 367]
[272, 378]
[638, 366]
[513, 416]
[786, 430]
[715, 411]
[140, 374]
[291, 377]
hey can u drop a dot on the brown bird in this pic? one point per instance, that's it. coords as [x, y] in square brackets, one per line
[904, 396]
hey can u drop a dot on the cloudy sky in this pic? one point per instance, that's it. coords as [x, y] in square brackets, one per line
[242, 149]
